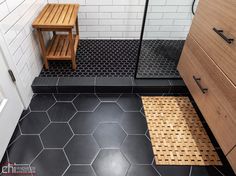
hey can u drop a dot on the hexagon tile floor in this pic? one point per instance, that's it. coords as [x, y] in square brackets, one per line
[90, 135]
[117, 58]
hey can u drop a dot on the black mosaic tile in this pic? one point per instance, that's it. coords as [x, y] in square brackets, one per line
[109, 135]
[159, 58]
[102, 58]
[117, 58]
[134, 123]
[86, 102]
[82, 149]
[110, 162]
[141, 170]
[61, 112]
[138, 149]
[56, 135]
[34, 123]
[173, 170]
[50, 163]
[79, 170]
[24, 149]
[130, 102]
[42, 102]
[65, 97]
[84, 123]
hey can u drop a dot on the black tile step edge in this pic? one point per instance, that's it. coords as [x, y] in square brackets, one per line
[107, 85]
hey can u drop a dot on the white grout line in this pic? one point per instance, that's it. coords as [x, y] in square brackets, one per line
[190, 171]
[218, 171]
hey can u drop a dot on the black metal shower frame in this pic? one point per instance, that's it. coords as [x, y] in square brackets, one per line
[141, 40]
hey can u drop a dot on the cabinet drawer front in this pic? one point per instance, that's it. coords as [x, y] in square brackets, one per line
[221, 15]
[218, 103]
[232, 159]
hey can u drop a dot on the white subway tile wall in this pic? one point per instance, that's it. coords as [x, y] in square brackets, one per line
[16, 18]
[122, 19]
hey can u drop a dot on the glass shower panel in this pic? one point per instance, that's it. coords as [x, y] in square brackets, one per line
[164, 31]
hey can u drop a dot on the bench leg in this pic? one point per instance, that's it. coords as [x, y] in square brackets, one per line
[72, 50]
[43, 48]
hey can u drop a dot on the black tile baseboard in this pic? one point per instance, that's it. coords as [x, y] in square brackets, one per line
[76, 85]
[151, 86]
[113, 85]
[108, 85]
[45, 85]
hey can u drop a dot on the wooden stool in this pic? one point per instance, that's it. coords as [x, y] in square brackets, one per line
[61, 18]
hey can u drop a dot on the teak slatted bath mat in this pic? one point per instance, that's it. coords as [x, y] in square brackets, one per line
[177, 134]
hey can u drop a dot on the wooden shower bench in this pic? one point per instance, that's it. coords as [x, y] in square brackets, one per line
[60, 18]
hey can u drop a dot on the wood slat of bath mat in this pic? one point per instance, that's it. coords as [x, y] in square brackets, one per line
[177, 134]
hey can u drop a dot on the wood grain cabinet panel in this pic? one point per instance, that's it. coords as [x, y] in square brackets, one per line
[218, 102]
[232, 158]
[221, 15]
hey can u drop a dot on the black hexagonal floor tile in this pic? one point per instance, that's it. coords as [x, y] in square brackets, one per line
[138, 149]
[142, 111]
[42, 102]
[3, 162]
[86, 102]
[108, 112]
[65, 97]
[79, 170]
[109, 135]
[82, 149]
[141, 170]
[108, 97]
[34, 123]
[110, 162]
[84, 123]
[130, 102]
[24, 113]
[50, 163]
[173, 170]
[61, 112]
[205, 171]
[15, 134]
[148, 134]
[134, 123]
[24, 149]
[56, 135]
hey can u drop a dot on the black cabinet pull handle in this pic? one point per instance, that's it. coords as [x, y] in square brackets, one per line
[197, 80]
[221, 33]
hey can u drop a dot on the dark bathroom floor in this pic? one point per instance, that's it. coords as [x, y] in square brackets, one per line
[117, 58]
[91, 135]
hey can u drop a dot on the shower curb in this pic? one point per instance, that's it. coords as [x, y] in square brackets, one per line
[108, 85]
